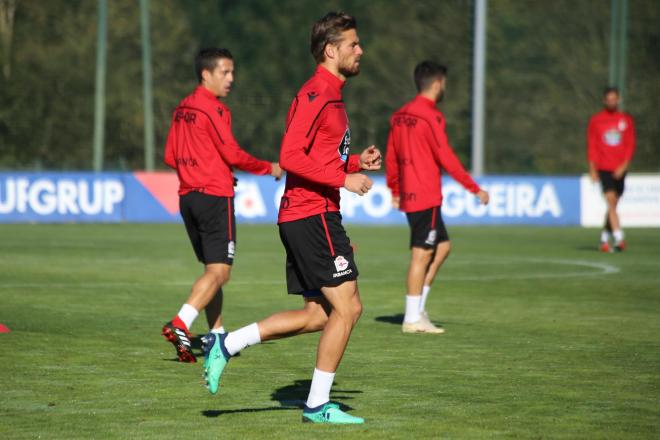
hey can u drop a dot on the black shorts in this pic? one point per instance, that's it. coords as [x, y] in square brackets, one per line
[318, 254]
[609, 183]
[211, 226]
[427, 228]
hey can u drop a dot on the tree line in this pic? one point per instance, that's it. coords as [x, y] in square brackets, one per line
[546, 67]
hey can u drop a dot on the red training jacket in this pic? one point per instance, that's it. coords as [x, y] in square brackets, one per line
[202, 149]
[610, 139]
[315, 149]
[417, 148]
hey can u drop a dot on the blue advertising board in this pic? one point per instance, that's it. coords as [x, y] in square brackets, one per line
[152, 197]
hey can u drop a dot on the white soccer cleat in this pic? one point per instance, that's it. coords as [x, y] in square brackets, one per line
[424, 325]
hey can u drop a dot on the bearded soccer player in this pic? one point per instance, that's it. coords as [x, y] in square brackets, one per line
[417, 152]
[202, 149]
[320, 265]
[610, 148]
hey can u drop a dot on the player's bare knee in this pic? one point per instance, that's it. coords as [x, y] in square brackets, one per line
[357, 312]
[356, 309]
[315, 315]
[317, 321]
[221, 278]
[219, 273]
[422, 255]
[444, 248]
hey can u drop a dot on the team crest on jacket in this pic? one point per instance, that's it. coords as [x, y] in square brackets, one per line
[622, 125]
[345, 145]
[612, 138]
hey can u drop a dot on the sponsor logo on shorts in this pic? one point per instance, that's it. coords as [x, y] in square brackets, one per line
[341, 263]
[231, 247]
[342, 273]
[432, 236]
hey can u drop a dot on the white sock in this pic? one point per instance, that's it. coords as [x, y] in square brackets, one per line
[241, 338]
[425, 294]
[618, 235]
[319, 392]
[412, 308]
[188, 314]
[220, 330]
[604, 236]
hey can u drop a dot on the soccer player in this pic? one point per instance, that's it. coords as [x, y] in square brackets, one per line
[320, 265]
[610, 148]
[417, 151]
[202, 149]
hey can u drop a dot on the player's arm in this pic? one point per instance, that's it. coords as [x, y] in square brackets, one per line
[231, 152]
[629, 141]
[170, 159]
[392, 170]
[369, 160]
[592, 150]
[302, 123]
[446, 158]
[353, 164]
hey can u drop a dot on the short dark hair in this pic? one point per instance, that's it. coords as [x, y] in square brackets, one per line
[426, 72]
[610, 89]
[206, 59]
[327, 30]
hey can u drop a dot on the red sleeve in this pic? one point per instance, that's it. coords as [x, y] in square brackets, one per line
[446, 157]
[630, 139]
[353, 165]
[592, 142]
[302, 123]
[169, 148]
[231, 152]
[392, 166]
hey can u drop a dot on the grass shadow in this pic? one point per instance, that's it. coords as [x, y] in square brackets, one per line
[588, 248]
[398, 320]
[289, 397]
[390, 319]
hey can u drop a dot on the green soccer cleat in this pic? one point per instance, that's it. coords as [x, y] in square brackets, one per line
[329, 413]
[216, 359]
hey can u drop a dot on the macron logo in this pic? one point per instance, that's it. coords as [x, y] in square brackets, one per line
[312, 96]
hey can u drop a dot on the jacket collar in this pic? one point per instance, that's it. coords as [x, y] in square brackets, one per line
[206, 93]
[328, 77]
[423, 100]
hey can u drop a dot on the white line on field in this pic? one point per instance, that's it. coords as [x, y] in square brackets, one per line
[600, 269]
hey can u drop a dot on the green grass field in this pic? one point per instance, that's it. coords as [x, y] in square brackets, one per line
[546, 338]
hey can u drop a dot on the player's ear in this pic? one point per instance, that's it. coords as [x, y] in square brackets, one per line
[330, 51]
[439, 85]
[205, 75]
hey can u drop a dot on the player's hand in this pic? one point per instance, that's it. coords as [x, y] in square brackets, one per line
[594, 176]
[619, 172]
[483, 196]
[395, 202]
[276, 170]
[371, 159]
[358, 184]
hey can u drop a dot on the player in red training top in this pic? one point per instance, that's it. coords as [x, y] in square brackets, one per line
[320, 265]
[610, 148]
[202, 149]
[417, 151]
